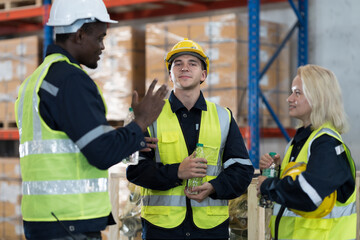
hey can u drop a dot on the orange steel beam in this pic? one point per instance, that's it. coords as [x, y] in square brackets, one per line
[21, 13]
[15, 27]
[9, 134]
[118, 3]
[174, 9]
[269, 132]
[30, 12]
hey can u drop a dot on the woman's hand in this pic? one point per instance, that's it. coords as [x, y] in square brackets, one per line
[266, 160]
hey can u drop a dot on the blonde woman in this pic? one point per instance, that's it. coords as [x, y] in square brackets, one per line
[316, 198]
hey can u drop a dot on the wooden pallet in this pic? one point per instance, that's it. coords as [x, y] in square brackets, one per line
[7, 5]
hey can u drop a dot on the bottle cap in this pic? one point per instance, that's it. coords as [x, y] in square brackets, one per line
[199, 145]
[130, 109]
[272, 154]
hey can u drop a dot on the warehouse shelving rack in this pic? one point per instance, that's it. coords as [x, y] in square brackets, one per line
[253, 131]
[33, 18]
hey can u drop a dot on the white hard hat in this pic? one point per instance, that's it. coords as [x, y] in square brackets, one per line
[67, 12]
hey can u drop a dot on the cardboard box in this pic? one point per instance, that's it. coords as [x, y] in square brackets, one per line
[10, 168]
[19, 58]
[224, 97]
[121, 69]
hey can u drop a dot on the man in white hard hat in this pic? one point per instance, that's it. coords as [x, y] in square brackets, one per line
[168, 210]
[66, 144]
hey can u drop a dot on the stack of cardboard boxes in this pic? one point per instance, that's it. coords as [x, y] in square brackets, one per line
[224, 38]
[19, 58]
[10, 199]
[121, 70]
[133, 57]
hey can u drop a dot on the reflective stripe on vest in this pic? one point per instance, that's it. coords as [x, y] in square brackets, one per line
[65, 186]
[56, 176]
[178, 201]
[168, 208]
[340, 223]
[337, 212]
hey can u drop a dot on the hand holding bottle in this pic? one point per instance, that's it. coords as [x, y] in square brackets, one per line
[267, 172]
[197, 181]
[267, 159]
[192, 167]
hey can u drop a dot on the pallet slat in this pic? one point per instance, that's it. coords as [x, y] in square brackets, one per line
[8, 5]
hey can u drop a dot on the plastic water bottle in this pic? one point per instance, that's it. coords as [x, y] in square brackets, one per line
[194, 182]
[133, 159]
[268, 172]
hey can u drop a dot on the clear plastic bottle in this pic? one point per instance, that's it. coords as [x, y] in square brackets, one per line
[194, 182]
[133, 158]
[268, 172]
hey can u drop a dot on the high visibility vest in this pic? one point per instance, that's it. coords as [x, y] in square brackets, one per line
[167, 209]
[57, 177]
[340, 223]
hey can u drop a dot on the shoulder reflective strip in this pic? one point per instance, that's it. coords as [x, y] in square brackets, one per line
[93, 134]
[153, 131]
[339, 149]
[37, 132]
[50, 88]
[65, 186]
[287, 146]
[237, 160]
[326, 130]
[164, 200]
[209, 202]
[21, 105]
[224, 121]
[212, 170]
[309, 190]
[48, 146]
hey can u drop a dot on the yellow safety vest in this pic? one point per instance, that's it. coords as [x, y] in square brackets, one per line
[57, 177]
[167, 209]
[340, 223]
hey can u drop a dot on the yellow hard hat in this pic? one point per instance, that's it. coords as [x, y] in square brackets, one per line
[190, 47]
[293, 169]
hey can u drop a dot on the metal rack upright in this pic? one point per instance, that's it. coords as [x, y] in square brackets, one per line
[255, 75]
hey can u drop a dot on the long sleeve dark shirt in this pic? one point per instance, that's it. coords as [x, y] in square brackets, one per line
[76, 109]
[230, 183]
[325, 172]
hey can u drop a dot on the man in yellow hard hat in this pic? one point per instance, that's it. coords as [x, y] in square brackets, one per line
[168, 210]
[66, 143]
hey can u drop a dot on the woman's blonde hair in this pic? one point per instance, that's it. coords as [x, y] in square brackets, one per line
[322, 90]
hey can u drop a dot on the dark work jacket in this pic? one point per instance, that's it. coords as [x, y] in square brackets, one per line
[77, 109]
[326, 172]
[231, 182]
